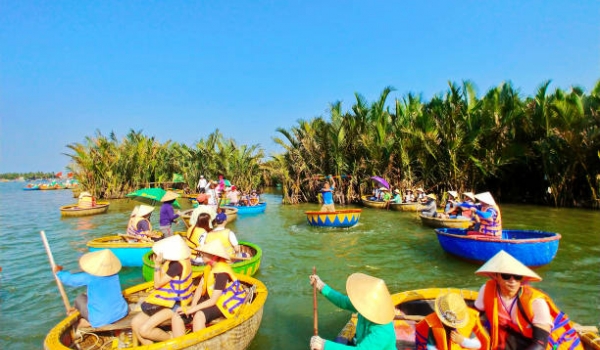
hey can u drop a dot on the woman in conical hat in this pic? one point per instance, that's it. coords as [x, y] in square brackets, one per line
[489, 217]
[103, 303]
[520, 316]
[168, 216]
[452, 321]
[370, 298]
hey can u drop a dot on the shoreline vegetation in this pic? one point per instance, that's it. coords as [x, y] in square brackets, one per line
[542, 149]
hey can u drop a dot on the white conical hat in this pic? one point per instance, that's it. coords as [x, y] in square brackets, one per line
[486, 198]
[100, 263]
[503, 262]
[172, 248]
[453, 194]
[85, 194]
[134, 211]
[215, 248]
[168, 196]
[370, 297]
[144, 210]
[469, 194]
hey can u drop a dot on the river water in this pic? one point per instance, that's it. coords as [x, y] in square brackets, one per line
[390, 245]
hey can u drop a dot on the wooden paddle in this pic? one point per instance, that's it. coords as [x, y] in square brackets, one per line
[315, 315]
[65, 299]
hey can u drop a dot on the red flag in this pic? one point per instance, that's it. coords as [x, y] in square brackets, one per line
[70, 175]
[59, 174]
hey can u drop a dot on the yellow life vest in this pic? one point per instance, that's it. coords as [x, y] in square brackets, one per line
[179, 289]
[193, 239]
[233, 295]
[223, 236]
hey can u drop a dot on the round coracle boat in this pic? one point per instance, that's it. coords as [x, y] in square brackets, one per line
[129, 253]
[249, 209]
[74, 210]
[338, 218]
[412, 207]
[438, 222]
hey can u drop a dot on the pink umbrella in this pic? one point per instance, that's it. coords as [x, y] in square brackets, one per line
[381, 181]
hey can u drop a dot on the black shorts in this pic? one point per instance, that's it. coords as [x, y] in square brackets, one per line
[151, 309]
[211, 313]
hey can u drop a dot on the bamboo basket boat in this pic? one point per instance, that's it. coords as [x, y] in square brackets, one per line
[129, 253]
[412, 207]
[73, 210]
[373, 204]
[413, 305]
[230, 212]
[447, 222]
[338, 218]
[229, 334]
[244, 267]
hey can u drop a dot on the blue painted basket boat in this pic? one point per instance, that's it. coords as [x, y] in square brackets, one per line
[531, 247]
[250, 209]
[338, 218]
[129, 253]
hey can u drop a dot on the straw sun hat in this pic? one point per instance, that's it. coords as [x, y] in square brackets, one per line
[215, 248]
[370, 297]
[100, 263]
[169, 196]
[432, 196]
[486, 198]
[503, 262]
[452, 310]
[453, 194]
[144, 210]
[172, 248]
[84, 194]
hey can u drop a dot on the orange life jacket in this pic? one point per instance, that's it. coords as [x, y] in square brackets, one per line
[562, 336]
[439, 332]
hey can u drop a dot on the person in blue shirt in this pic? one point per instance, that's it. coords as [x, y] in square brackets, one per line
[327, 193]
[167, 214]
[369, 297]
[103, 303]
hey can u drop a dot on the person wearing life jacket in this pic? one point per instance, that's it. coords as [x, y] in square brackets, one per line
[369, 297]
[224, 235]
[173, 290]
[489, 217]
[254, 198]
[520, 316]
[219, 294]
[139, 227]
[451, 209]
[467, 206]
[453, 325]
[194, 234]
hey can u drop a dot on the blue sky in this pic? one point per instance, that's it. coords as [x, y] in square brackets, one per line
[178, 70]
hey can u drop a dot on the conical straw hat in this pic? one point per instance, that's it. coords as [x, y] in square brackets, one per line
[432, 196]
[453, 194]
[452, 310]
[84, 194]
[469, 194]
[370, 297]
[503, 262]
[215, 248]
[100, 263]
[486, 198]
[134, 211]
[144, 210]
[169, 195]
[172, 248]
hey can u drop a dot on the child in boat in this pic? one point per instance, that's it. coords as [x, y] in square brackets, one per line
[173, 289]
[369, 297]
[453, 321]
[103, 302]
[219, 293]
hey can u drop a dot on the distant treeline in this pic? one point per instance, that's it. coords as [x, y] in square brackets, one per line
[28, 176]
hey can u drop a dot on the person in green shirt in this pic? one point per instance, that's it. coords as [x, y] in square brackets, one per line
[369, 297]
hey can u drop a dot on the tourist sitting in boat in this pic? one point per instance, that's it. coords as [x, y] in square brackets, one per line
[233, 195]
[219, 293]
[244, 199]
[397, 199]
[86, 200]
[223, 234]
[451, 209]
[194, 233]
[429, 208]
[489, 217]
[369, 297]
[327, 193]
[209, 209]
[520, 316]
[452, 322]
[140, 228]
[103, 302]
[173, 289]
[386, 196]
[420, 196]
[409, 197]
[254, 198]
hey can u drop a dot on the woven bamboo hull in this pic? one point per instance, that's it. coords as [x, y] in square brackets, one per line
[372, 204]
[129, 253]
[416, 304]
[74, 210]
[412, 207]
[246, 267]
[187, 214]
[230, 334]
[440, 223]
[338, 218]
[252, 209]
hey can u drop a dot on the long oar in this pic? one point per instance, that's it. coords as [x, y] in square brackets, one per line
[315, 315]
[65, 299]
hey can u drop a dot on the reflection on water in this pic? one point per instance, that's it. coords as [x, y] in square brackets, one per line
[387, 244]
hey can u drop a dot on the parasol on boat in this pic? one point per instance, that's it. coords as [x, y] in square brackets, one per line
[381, 181]
[150, 196]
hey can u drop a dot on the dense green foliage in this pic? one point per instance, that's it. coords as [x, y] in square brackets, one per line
[541, 149]
[38, 175]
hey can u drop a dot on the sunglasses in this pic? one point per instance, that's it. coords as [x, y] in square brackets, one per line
[507, 276]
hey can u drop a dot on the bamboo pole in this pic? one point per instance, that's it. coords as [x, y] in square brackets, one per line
[63, 294]
[315, 315]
